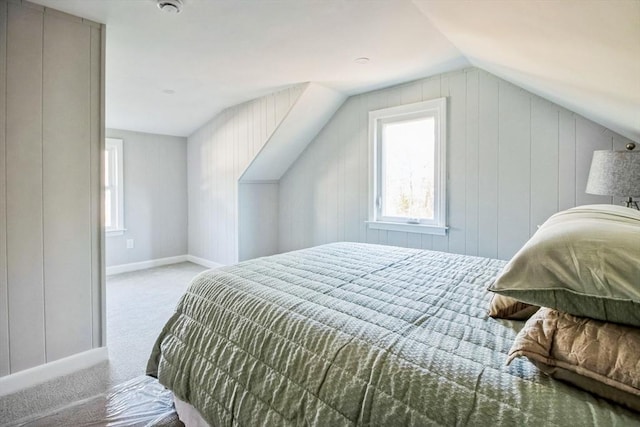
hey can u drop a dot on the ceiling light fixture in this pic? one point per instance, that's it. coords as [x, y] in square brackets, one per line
[362, 60]
[170, 6]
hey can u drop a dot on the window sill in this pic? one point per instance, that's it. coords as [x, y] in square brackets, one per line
[408, 228]
[114, 233]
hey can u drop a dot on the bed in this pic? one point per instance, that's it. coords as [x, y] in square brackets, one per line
[349, 333]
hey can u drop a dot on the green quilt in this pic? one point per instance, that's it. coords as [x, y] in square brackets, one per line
[357, 334]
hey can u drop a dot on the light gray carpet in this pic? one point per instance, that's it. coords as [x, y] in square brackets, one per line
[138, 305]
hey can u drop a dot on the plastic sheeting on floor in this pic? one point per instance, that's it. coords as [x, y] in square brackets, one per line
[140, 402]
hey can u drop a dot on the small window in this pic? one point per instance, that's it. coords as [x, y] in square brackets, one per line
[408, 180]
[113, 187]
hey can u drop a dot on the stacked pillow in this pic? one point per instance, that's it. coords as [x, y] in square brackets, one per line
[584, 265]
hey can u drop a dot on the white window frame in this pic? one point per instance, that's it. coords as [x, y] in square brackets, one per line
[436, 108]
[116, 172]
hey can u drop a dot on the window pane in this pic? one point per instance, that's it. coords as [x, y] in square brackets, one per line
[107, 167]
[408, 168]
[108, 219]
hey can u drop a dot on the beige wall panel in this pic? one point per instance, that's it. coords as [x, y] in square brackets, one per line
[67, 186]
[24, 187]
[97, 145]
[4, 303]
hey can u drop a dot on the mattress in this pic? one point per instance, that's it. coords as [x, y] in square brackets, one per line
[358, 334]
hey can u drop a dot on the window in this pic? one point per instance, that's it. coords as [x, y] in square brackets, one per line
[113, 187]
[408, 180]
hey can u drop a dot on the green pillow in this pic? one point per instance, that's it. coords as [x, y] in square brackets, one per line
[584, 261]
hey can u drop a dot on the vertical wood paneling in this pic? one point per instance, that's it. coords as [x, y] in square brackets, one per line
[97, 148]
[566, 159]
[441, 243]
[456, 161]
[513, 161]
[340, 173]
[24, 187]
[396, 238]
[361, 120]
[472, 163]
[4, 302]
[351, 142]
[544, 162]
[257, 216]
[411, 93]
[50, 128]
[514, 165]
[488, 118]
[430, 89]
[218, 153]
[66, 187]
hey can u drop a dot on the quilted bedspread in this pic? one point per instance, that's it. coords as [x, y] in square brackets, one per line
[357, 334]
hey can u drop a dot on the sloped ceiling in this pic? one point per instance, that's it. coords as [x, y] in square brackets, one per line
[581, 54]
[218, 53]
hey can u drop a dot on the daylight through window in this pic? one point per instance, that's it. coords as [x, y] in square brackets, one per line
[408, 180]
[113, 186]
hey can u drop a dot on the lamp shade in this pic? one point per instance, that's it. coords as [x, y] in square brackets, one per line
[615, 173]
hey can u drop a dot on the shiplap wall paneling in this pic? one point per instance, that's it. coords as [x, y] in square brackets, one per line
[24, 187]
[472, 163]
[513, 159]
[50, 191]
[545, 168]
[97, 141]
[257, 220]
[488, 165]
[455, 89]
[4, 303]
[350, 226]
[67, 186]
[566, 158]
[430, 88]
[514, 169]
[218, 154]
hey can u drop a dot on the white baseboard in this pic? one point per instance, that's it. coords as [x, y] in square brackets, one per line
[203, 262]
[134, 266]
[58, 368]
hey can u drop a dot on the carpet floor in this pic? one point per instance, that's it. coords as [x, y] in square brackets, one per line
[115, 393]
[138, 305]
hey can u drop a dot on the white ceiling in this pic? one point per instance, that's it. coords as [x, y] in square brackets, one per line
[582, 54]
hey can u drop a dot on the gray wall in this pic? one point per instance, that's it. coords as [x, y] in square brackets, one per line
[51, 139]
[155, 198]
[258, 220]
[513, 160]
[218, 154]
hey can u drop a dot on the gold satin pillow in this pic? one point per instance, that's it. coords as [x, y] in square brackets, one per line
[600, 357]
[503, 307]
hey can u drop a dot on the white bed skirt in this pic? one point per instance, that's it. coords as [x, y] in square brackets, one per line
[188, 414]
